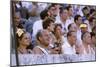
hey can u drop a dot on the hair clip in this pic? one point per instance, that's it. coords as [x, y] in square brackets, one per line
[20, 32]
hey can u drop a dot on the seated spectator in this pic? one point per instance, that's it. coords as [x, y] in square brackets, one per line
[58, 34]
[92, 21]
[86, 41]
[38, 24]
[33, 17]
[63, 20]
[84, 27]
[43, 46]
[73, 27]
[24, 41]
[85, 11]
[78, 21]
[48, 24]
[69, 47]
[70, 13]
[17, 21]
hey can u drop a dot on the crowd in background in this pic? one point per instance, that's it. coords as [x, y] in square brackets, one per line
[53, 28]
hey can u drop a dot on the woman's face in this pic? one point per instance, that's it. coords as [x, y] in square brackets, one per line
[25, 40]
[58, 31]
[87, 38]
[51, 26]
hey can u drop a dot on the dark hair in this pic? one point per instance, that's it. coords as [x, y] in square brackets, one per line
[69, 33]
[92, 34]
[68, 7]
[76, 18]
[47, 22]
[44, 14]
[69, 26]
[84, 34]
[92, 10]
[62, 9]
[91, 19]
[56, 25]
[85, 8]
[52, 5]
[39, 34]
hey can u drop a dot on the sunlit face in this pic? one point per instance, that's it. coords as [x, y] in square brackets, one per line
[79, 21]
[52, 11]
[73, 38]
[87, 38]
[25, 40]
[51, 26]
[45, 38]
[16, 20]
[84, 29]
[64, 14]
[86, 11]
[58, 31]
[70, 12]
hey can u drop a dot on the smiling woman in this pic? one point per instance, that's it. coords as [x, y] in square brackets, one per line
[23, 42]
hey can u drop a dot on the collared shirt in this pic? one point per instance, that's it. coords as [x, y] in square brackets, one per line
[68, 49]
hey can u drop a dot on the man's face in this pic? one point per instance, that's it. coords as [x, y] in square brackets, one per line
[86, 11]
[79, 21]
[45, 38]
[84, 29]
[73, 38]
[64, 14]
[53, 11]
[70, 12]
[16, 20]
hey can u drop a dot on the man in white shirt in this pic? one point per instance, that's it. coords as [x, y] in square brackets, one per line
[78, 21]
[70, 13]
[69, 46]
[64, 20]
[38, 24]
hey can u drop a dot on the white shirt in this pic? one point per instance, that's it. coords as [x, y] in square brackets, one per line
[67, 49]
[79, 33]
[37, 26]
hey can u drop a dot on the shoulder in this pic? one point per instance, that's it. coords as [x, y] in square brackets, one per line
[37, 50]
